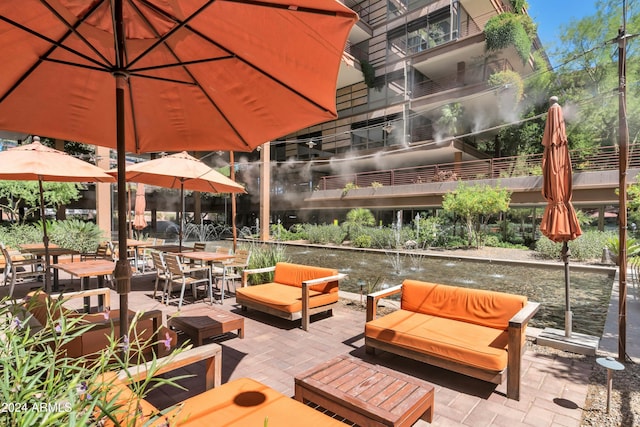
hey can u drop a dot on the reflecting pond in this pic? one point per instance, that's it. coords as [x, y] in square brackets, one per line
[590, 290]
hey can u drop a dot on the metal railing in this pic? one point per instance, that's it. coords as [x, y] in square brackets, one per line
[600, 159]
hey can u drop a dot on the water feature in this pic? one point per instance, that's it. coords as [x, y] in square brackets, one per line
[590, 290]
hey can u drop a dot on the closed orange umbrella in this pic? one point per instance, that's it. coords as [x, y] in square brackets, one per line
[139, 221]
[559, 222]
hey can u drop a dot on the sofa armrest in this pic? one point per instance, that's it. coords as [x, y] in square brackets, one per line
[373, 298]
[522, 317]
[306, 286]
[210, 353]
[517, 326]
[155, 315]
[104, 292]
[247, 272]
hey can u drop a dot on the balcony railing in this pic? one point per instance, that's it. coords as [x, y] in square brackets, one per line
[604, 158]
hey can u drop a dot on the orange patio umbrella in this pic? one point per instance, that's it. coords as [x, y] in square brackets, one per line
[168, 75]
[37, 162]
[559, 222]
[180, 171]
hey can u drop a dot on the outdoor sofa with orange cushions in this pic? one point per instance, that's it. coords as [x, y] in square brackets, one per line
[241, 402]
[43, 309]
[296, 292]
[474, 332]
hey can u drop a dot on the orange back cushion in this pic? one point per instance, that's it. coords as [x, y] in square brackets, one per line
[481, 307]
[294, 274]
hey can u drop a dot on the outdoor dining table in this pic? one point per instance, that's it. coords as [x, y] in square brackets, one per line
[85, 270]
[37, 249]
[210, 258]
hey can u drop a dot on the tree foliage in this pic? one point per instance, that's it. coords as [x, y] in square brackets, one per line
[23, 197]
[510, 29]
[476, 204]
[588, 75]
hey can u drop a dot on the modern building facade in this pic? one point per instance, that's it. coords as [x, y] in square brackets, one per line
[415, 76]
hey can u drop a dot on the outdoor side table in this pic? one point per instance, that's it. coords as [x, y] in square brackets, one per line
[366, 394]
[206, 322]
[611, 365]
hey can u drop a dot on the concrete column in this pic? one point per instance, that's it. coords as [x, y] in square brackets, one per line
[265, 190]
[103, 194]
[457, 159]
[460, 73]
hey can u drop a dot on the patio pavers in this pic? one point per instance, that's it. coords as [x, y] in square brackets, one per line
[554, 386]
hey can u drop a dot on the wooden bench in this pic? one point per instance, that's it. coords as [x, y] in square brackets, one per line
[470, 331]
[296, 292]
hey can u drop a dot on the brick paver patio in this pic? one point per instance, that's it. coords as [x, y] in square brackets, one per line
[554, 387]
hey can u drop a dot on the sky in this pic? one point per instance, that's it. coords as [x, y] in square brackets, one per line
[552, 15]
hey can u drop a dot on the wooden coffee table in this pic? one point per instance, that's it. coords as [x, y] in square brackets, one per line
[206, 322]
[366, 394]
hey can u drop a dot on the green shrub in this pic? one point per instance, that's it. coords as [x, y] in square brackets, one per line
[18, 234]
[548, 249]
[357, 219]
[278, 232]
[381, 238]
[264, 255]
[362, 241]
[324, 234]
[36, 372]
[508, 29]
[81, 236]
[586, 247]
[429, 231]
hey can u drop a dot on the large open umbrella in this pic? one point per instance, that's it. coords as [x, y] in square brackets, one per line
[37, 162]
[184, 172]
[559, 222]
[167, 75]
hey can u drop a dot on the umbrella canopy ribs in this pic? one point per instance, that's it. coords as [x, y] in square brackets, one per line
[157, 75]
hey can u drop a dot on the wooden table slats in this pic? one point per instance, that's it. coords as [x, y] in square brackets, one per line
[366, 394]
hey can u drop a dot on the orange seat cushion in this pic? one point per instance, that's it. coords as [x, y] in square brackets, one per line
[246, 402]
[471, 344]
[481, 307]
[283, 298]
[129, 409]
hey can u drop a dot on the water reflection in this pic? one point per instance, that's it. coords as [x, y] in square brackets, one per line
[590, 291]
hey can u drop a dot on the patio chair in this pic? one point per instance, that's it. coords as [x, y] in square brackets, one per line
[105, 250]
[181, 275]
[200, 246]
[235, 267]
[19, 266]
[157, 260]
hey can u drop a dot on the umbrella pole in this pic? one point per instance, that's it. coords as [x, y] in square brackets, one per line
[568, 316]
[181, 215]
[45, 240]
[232, 175]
